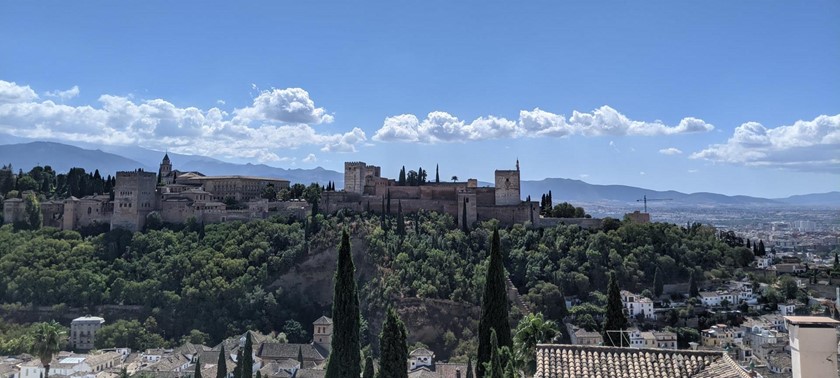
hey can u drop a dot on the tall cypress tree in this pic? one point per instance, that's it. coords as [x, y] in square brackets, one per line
[197, 373]
[437, 173]
[658, 285]
[401, 179]
[344, 357]
[368, 368]
[761, 250]
[469, 368]
[300, 356]
[400, 220]
[248, 357]
[494, 308]
[221, 366]
[692, 286]
[614, 319]
[393, 348]
[495, 364]
[237, 370]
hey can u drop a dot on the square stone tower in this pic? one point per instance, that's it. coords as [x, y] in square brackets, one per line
[507, 187]
[322, 333]
[134, 198]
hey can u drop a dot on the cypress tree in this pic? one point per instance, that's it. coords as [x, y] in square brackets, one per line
[393, 348]
[400, 220]
[237, 370]
[437, 173]
[494, 308]
[368, 368]
[494, 367]
[748, 243]
[469, 368]
[563, 310]
[221, 366]
[248, 357]
[614, 319]
[344, 357]
[300, 356]
[197, 373]
[658, 285]
[259, 375]
[692, 286]
[761, 250]
[401, 180]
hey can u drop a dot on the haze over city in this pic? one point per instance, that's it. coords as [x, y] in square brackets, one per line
[720, 97]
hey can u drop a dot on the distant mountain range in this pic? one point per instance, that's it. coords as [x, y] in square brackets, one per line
[109, 160]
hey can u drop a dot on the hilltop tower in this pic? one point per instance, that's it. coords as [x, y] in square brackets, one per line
[134, 198]
[165, 170]
[322, 333]
[507, 187]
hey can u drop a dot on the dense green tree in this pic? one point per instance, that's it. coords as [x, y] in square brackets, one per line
[393, 347]
[400, 220]
[788, 287]
[247, 361]
[494, 307]
[47, 339]
[221, 365]
[294, 331]
[658, 285]
[344, 357]
[368, 368]
[533, 329]
[32, 209]
[614, 319]
[129, 334]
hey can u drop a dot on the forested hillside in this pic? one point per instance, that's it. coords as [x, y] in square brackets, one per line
[221, 279]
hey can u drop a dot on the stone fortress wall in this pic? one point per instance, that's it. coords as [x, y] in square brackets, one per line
[372, 191]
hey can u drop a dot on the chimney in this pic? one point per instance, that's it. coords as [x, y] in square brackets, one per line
[813, 345]
[693, 345]
[457, 373]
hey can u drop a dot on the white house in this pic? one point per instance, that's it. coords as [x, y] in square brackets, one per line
[716, 298]
[635, 305]
[787, 309]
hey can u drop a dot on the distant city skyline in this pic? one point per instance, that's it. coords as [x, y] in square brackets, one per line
[714, 97]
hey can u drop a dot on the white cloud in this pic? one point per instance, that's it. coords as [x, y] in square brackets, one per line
[670, 151]
[806, 145]
[311, 158]
[10, 92]
[693, 171]
[160, 125]
[642, 173]
[64, 95]
[444, 127]
[291, 105]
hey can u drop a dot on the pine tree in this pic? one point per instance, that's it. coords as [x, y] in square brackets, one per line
[393, 348]
[221, 366]
[344, 357]
[437, 173]
[197, 373]
[692, 286]
[494, 308]
[368, 368]
[658, 285]
[247, 357]
[614, 318]
[469, 368]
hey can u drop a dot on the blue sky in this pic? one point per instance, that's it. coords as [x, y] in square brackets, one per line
[721, 96]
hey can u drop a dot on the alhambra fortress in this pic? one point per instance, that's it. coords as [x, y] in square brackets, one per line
[178, 196]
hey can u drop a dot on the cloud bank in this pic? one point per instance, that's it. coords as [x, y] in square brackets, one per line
[806, 145]
[440, 127]
[277, 119]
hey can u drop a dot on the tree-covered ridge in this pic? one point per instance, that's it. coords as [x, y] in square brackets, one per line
[221, 279]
